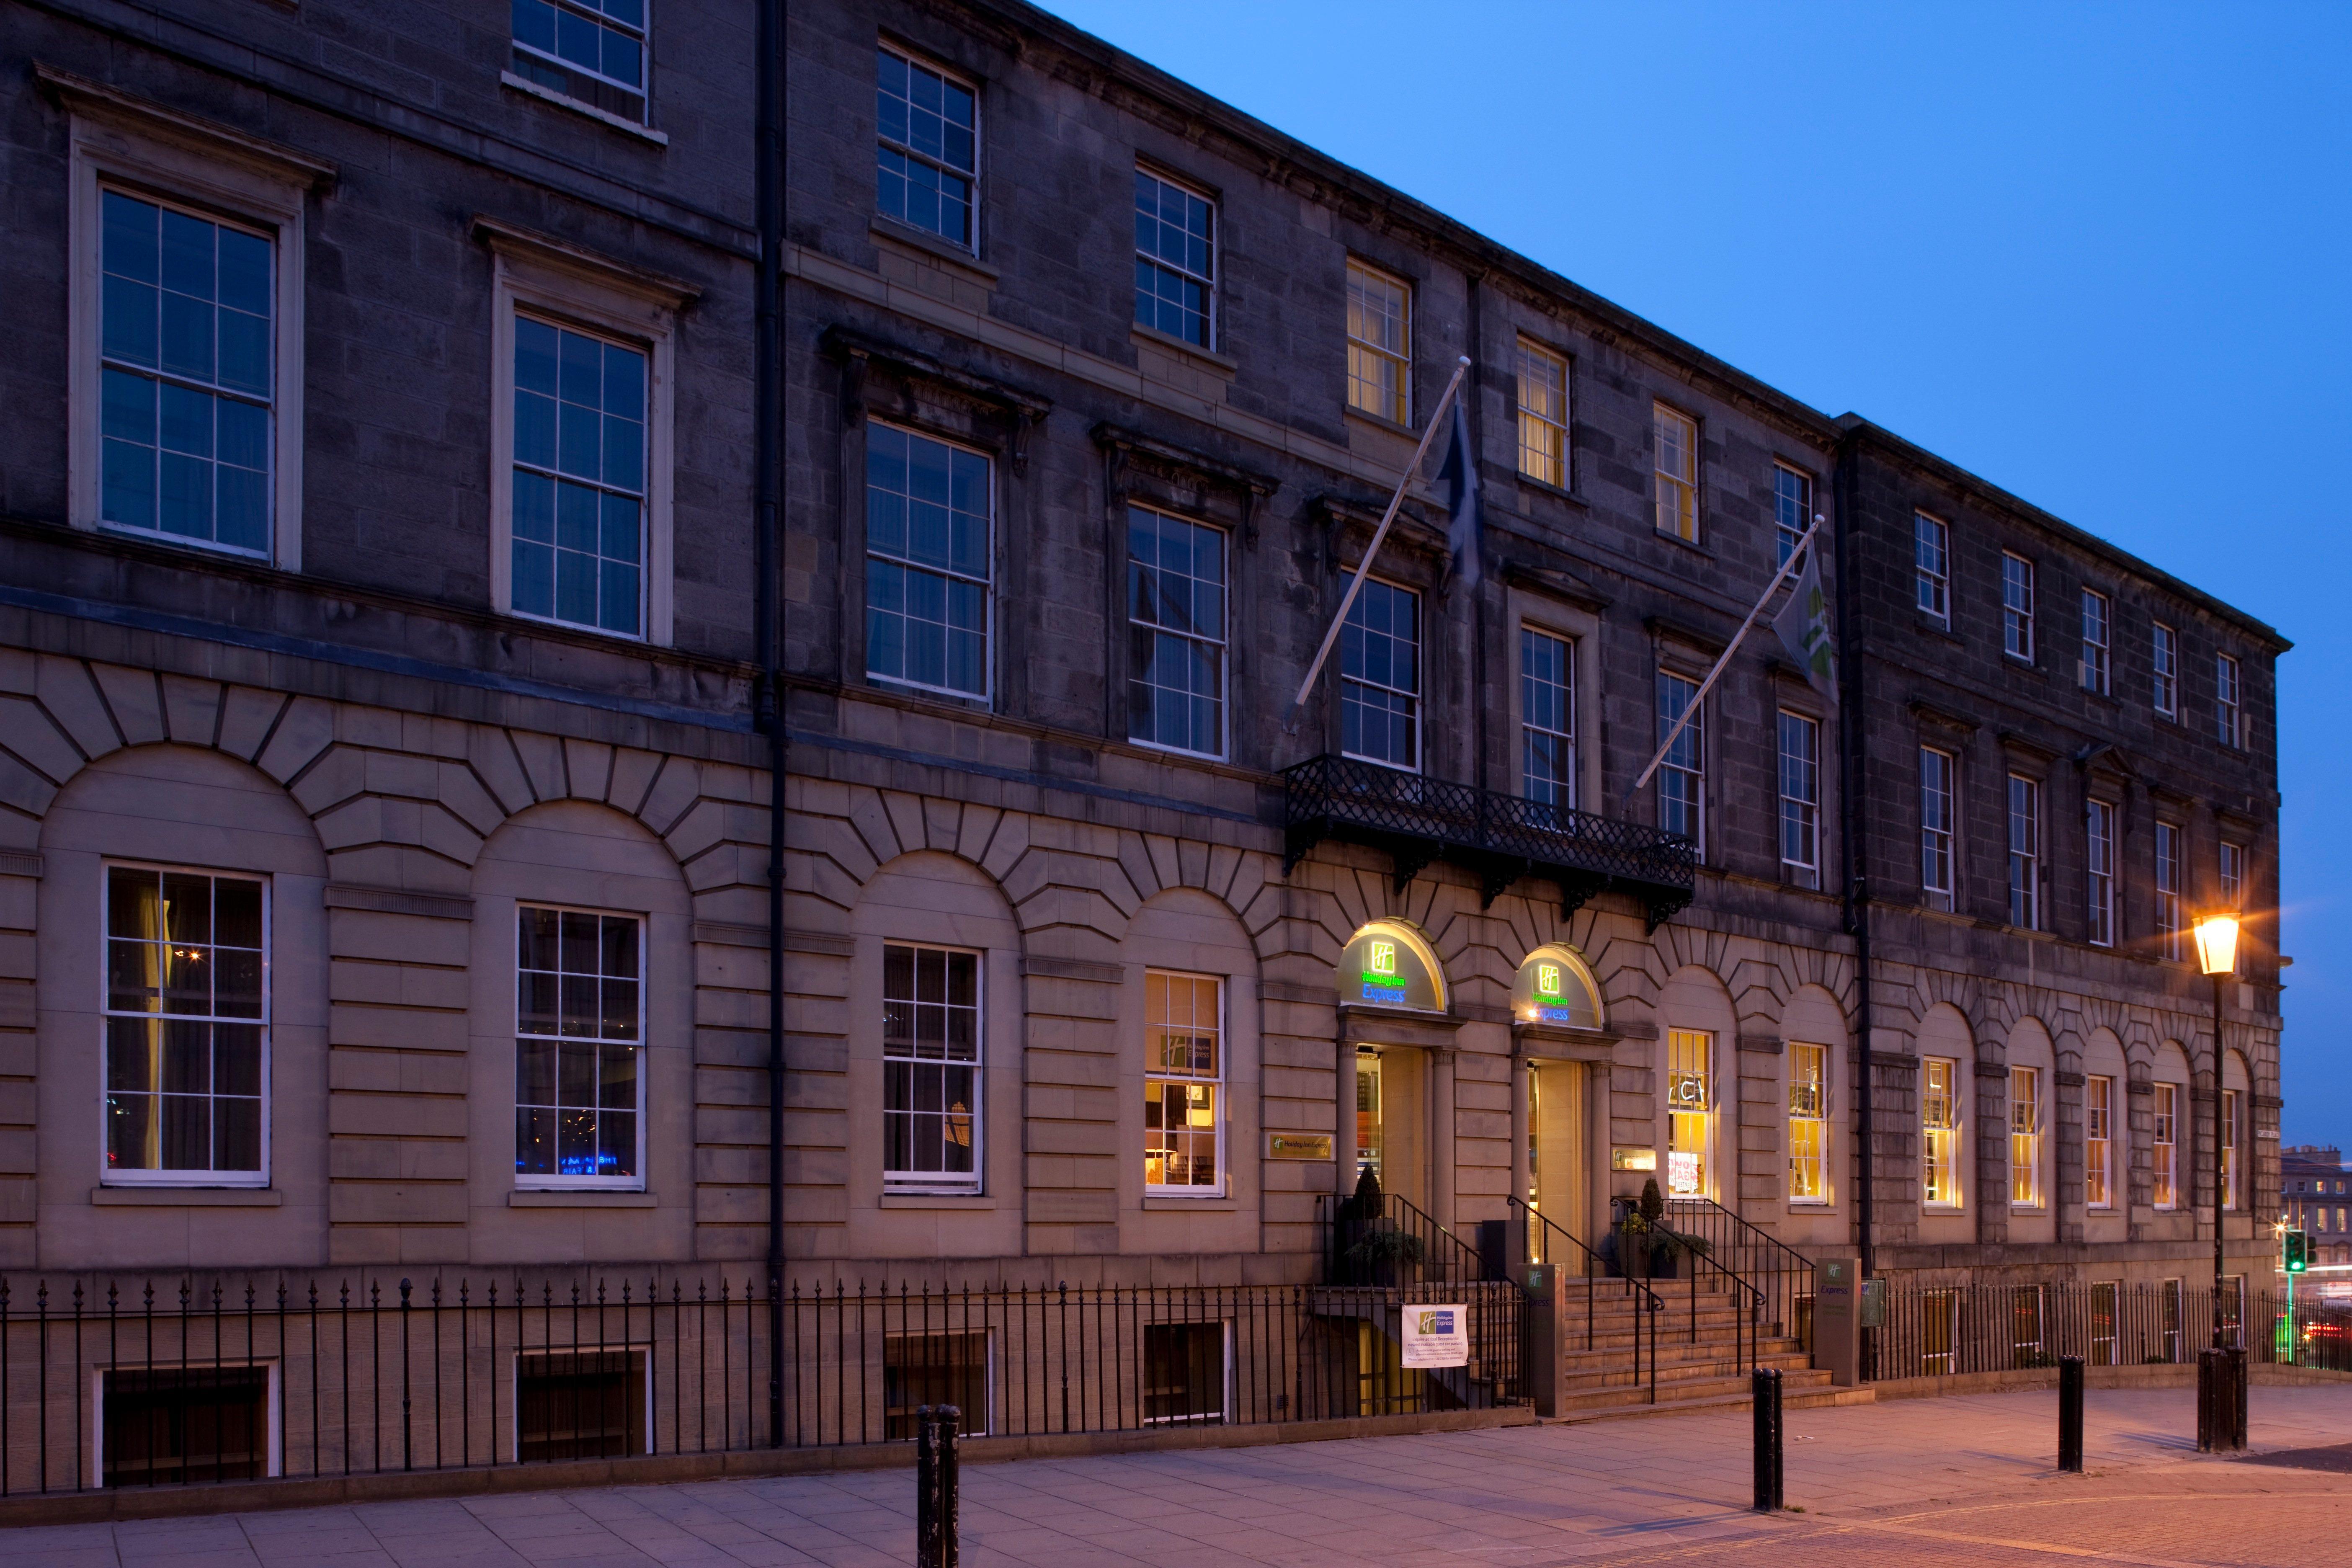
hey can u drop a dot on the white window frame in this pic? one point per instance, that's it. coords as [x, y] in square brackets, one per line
[1814, 1111]
[1210, 327]
[556, 1181]
[867, 555]
[1696, 733]
[160, 155]
[979, 144]
[2168, 841]
[108, 1177]
[1399, 411]
[1785, 537]
[1528, 730]
[1419, 693]
[2231, 1102]
[2024, 858]
[949, 1182]
[2098, 1141]
[1531, 354]
[1684, 488]
[1947, 1128]
[2025, 1124]
[2164, 1146]
[2228, 697]
[552, 281]
[1219, 1083]
[2164, 660]
[1222, 642]
[2098, 631]
[1932, 582]
[1937, 843]
[2099, 871]
[1801, 813]
[2017, 608]
[2230, 860]
[509, 76]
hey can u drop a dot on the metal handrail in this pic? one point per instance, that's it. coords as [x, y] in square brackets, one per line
[1700, 1250]
[1650, 1303]
[1336, 1213]
[1780, 1261]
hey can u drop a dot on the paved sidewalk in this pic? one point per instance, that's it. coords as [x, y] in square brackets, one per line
[1960, 1480]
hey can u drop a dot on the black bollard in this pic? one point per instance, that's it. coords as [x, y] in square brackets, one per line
[927, 1488]
[950, 1489]
[2239, 1379]
[2069, 1413]
[2209, 1423]
[1766, 1389]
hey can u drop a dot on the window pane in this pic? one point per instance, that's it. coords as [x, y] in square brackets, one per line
[190, 943]
[927, 564]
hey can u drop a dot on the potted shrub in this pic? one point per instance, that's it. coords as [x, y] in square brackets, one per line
[1384, 1255]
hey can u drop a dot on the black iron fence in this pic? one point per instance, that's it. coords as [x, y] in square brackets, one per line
[1949, 1330]
[201, 1380]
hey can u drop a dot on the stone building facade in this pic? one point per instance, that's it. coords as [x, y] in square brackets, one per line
[1096, 390]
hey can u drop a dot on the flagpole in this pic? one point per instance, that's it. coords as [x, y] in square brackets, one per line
[1690, 709]
[1444, 401]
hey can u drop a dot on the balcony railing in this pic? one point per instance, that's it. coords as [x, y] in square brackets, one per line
[1501, 837]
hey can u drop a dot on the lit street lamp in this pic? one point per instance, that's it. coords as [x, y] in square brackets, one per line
[2217, 956]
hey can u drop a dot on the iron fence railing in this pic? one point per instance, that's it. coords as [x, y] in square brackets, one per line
[1949, 1330]
[217, 1379]
[1419, 819]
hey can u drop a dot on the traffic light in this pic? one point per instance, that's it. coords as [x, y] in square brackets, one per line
[2295, 1250]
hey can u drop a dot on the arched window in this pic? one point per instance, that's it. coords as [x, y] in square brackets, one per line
[1389, 964]
[1555, 987]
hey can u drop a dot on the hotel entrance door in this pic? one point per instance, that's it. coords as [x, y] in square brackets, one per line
[1557, 1178]
[1391, 1137]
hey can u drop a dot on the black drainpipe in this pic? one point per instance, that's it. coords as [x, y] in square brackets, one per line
[768, 562]
[1852, 751]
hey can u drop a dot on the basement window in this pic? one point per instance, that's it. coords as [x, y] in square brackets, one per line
[161, 1426]
[580, 1405]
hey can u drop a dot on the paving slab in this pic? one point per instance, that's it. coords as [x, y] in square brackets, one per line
[1964, 1479]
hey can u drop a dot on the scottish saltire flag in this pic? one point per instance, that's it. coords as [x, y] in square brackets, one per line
[1803, 624]
[1465, 532]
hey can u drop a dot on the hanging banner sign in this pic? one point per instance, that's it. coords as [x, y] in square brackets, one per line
[1436, 1336]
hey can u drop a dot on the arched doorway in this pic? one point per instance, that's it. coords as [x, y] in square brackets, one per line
[1389, 972]
[1557, 1021]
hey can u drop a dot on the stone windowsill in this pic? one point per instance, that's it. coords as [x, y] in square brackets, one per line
[919, 1200]
[1208, 1204]
[1378, 422]
[1208, 359]
[908, 236]
[589, 110]
[578, 1198]
[187, 1197]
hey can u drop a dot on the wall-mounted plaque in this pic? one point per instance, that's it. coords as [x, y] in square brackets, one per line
[1299, 1145]
[1633, 1159]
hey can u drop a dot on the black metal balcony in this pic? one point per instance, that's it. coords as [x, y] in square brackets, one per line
[1417, 820]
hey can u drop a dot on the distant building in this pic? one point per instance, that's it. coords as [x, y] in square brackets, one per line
[2316, 1197]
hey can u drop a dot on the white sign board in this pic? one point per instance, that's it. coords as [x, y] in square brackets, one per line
[1436, 1336]
[1682, 1171]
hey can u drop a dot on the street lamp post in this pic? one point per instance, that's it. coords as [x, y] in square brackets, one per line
[2217, 956]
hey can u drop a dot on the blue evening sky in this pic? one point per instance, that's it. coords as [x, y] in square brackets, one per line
[2095, 253]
